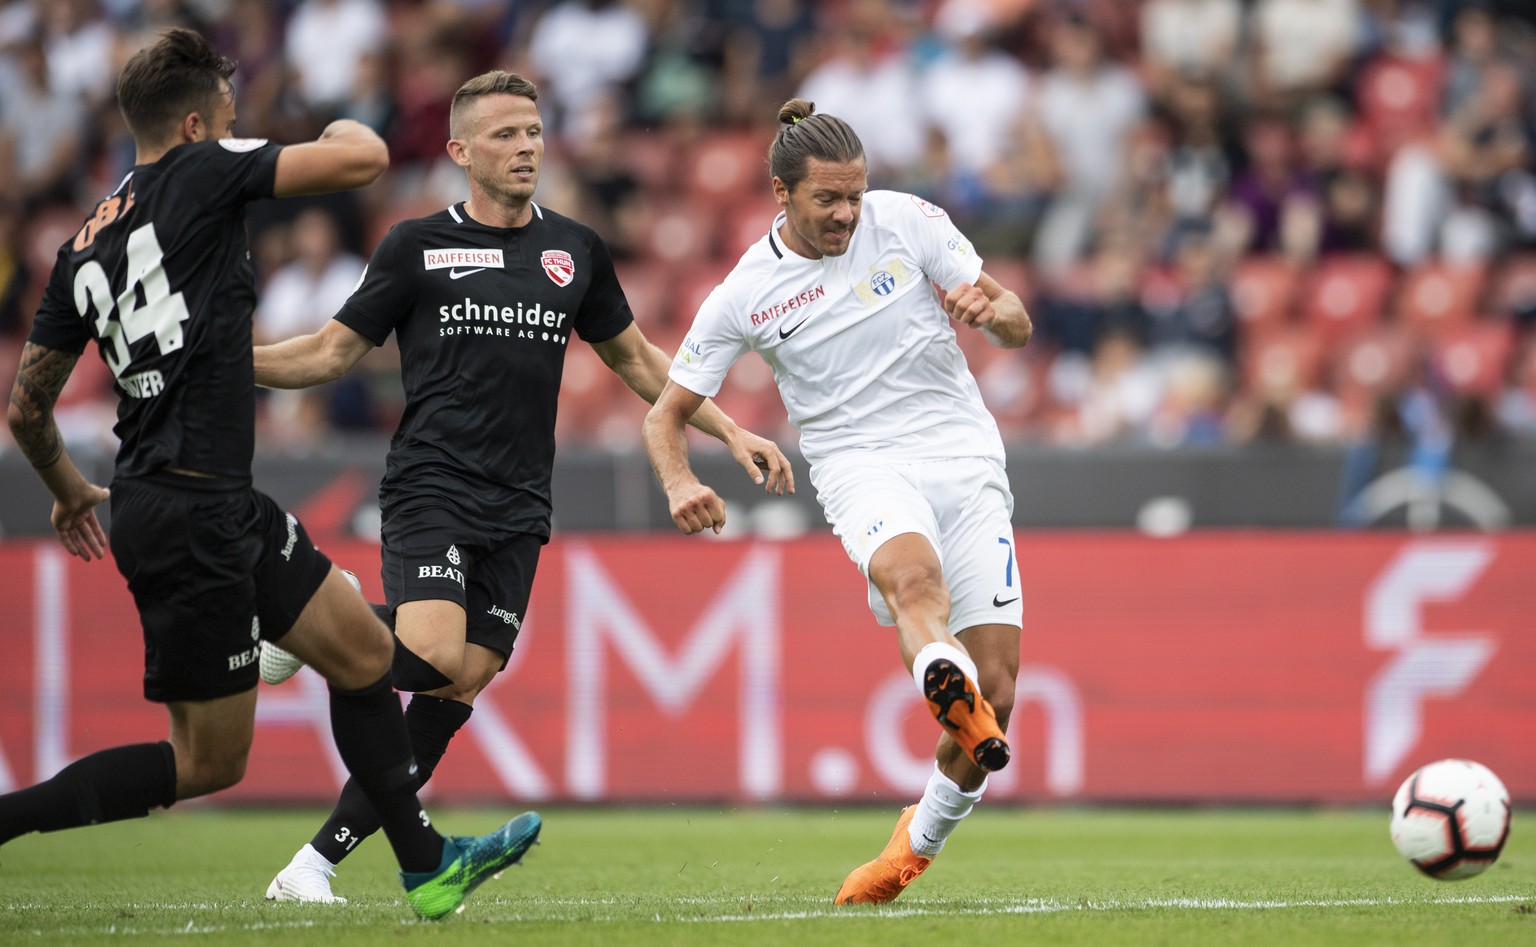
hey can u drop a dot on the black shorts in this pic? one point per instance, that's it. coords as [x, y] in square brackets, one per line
[212, 569]
[429, 555]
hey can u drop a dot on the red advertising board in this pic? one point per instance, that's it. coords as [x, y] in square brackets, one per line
[1214, 667]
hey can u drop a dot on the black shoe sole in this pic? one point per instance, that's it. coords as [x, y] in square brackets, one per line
[944, 685]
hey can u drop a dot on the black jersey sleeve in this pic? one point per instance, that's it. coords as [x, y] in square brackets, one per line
[230, 172]
[59, 324]
[386, 295]
[604, 312]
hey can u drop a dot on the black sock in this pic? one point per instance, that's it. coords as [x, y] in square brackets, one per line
[411, 672]
[372, 740]
[124, 782]
[432, 722]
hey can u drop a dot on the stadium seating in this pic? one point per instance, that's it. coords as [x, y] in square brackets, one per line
[1264, 290]
[1438, 297]
[1474, 359]
[1346, 295]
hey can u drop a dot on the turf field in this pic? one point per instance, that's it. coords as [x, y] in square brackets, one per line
[721, 877]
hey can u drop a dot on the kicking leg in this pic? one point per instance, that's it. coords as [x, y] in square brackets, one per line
[906, 571]
[207, 749]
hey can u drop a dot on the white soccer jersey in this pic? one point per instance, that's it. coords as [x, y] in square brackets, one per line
[864, 355]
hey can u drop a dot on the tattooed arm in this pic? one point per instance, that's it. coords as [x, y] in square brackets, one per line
[38, 383]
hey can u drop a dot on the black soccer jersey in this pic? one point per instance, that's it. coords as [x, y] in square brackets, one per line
[483, 316]
[160, 276]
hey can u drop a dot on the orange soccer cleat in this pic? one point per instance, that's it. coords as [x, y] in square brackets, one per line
[880, 881]
[961, 710]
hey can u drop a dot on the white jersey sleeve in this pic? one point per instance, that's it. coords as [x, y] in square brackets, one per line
[712, 346]
[945, 254]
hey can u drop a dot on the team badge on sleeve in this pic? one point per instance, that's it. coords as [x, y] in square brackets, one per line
[928, 209]
[559, 266]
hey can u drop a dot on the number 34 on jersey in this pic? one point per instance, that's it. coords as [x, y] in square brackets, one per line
[121, 320]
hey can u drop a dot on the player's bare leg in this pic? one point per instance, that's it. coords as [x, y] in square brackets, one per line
[212, 739]
[906, 571]
[957, 676]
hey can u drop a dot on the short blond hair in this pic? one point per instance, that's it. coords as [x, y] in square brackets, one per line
[495, 82]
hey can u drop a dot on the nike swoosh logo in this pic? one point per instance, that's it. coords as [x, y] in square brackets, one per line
[997, 604]
[786, 333]
[460, 274]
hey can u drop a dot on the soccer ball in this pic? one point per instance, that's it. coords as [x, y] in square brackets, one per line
[1451, 819]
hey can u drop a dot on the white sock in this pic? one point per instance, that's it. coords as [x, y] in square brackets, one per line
[942, 807]
[942, 649]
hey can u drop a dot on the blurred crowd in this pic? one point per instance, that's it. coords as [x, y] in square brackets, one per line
[1295, 221]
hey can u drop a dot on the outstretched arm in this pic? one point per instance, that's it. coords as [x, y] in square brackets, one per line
[643, 367]
[997, 312]
[348, 154]
[41, 377]
[694, 506]
[307, 360]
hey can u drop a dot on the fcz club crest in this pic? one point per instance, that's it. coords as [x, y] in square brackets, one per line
[559, 266]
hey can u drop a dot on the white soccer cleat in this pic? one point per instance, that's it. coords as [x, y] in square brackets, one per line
[277, 665]
[307, 878]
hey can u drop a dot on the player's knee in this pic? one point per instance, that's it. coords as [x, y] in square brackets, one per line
[371, 655]
[427, 666]
[470, 681]
[917, 587]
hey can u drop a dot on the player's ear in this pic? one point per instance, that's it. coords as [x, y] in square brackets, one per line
[780, 191]
[193, 128]
[458, 150]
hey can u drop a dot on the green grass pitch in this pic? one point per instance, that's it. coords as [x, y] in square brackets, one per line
[620, 877]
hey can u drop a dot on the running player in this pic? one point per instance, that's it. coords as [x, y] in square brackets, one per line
[160, 277]
[907, 462]
[484, 298]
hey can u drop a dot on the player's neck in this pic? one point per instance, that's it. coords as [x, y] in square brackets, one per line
[493, 214]
[795, 244]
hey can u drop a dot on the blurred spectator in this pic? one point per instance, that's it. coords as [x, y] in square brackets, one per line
[81, 47]
[1272, 206]
[581, 51]
[1400, 28]
[1081, 305]
[1194, 311]
[612, 200]
[1188, 41]
[1474, 45]
[304, 294]
[679, 81]
[42, 132]
[326, 43]
[1193, 404]
[431, 67]
[1197, 167]
[1088, 109]
[868, 79]
[1473, 193]
[16, 296]
[299, 298]
[1348, 202]
[371, 101]
[1109, 398]
[973, 96]
[1300, 48]
[1517, 405]
[765, 55]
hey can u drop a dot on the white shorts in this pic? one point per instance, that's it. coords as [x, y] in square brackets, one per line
[963, 507]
